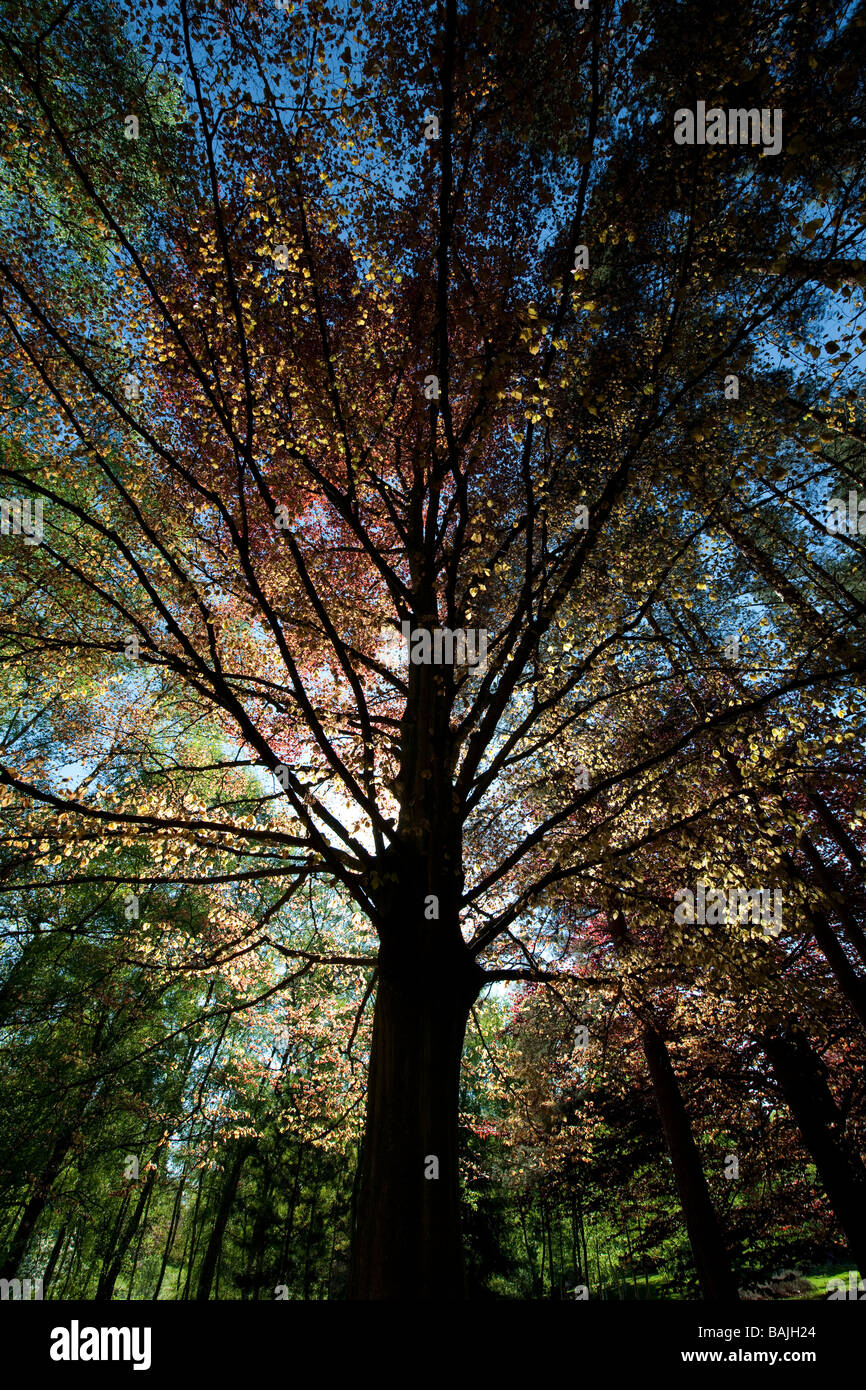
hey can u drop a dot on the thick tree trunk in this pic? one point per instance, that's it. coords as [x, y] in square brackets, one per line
[802, 1079]
[705, 1236]
[407, 1234]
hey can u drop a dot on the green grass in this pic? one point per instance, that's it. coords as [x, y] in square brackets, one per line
[819, 1279]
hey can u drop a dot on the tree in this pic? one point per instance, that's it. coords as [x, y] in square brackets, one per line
[416, 361]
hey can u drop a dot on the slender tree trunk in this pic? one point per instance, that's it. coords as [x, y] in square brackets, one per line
[138, 1244]
[308, 1243]
[195, 1231]
[705, 1234]
[852, 985]
[560, 1251]
[837, 830]
[53, 1258]
[111, 1270]
[850, 925]
[71, 1270]
[172, 1231]
[215, 1243]
[35, 1206]
[630, 1248]
[575, 1261]
[824, 880]
[583, 1244]
[263, 1223]
[529, 1256]
[184, 1265]
[407, 1236]
[708, 1247]
[111, 1245]
[333, 1255]
[803, 1082]
[283, 1271]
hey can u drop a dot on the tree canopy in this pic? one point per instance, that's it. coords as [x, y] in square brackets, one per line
[438, 589]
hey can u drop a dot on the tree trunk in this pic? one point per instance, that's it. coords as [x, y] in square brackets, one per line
[172, 1231]
[71, 1271]
[802, 1079]
[110, 1246]
[35, 1205]
[850, 925]
[407, 1234]
[852, 985]
[190, 1249]
[705, 1234]
[262, 1226]
[711, 1258]
[111, 1268]
[215, 1243]
[283, 1269]
[310, 1240]
[136, 1255]
[832, 823]
[53, 1258]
